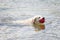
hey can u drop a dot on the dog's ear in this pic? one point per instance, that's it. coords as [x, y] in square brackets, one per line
[34, 20]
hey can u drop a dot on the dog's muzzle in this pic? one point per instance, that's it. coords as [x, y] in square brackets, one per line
[42, 20]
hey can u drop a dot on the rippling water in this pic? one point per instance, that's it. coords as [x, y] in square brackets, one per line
[24, 9]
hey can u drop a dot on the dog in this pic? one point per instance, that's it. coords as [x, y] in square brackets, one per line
[37, 22]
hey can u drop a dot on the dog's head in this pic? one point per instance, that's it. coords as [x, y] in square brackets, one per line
[39, 19]
[38, 23]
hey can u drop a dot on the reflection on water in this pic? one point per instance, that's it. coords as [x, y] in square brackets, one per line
[39, 27]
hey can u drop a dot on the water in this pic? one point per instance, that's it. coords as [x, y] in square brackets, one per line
[24, 9]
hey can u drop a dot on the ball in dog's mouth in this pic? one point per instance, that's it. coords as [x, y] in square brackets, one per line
[42, 20]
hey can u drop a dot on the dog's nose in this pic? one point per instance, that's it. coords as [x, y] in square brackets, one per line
[42, 20]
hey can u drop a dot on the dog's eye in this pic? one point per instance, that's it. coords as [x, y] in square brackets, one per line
[39, 17]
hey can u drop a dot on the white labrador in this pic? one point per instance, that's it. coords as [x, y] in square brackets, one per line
[37, 22]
